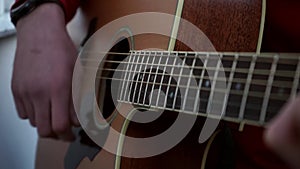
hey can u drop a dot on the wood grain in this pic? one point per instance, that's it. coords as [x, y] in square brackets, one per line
[231, 25]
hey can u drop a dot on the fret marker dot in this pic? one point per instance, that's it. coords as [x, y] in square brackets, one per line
[141, 76]
[281, 91]
[171, 95]
[238, 86]
[207, 83]
[151, 77]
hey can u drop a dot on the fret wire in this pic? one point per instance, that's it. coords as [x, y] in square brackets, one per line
[137, 78]
[125, 76]
[213, 85]
[200, 83]
[233, 67]
[206, 89]
[133, 54]
[161, 80]
[297, 72]
[201, 113]
[296, 81]
[132, 77]
[263, 111]
[189, 81]
[247, 86]
[178, 83]
[159, 90]
[148, 58]
[204, 114]
[141, 79]
[170, 79]
[148, 79]
[206, 100]
[154, 80]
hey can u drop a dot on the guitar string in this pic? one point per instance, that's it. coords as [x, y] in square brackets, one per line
[190, 54]
[255, 94]
[282, 59]
[250, 106]
[277, 83]
[284, 73]
[249, 116]
[278, 73]
[238, 81]
[264, 72]
[231, 105]
[259, 71]
[268, 61]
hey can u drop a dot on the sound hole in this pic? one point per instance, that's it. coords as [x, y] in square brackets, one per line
[104, 77]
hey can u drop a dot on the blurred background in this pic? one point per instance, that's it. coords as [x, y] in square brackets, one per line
[17, 138]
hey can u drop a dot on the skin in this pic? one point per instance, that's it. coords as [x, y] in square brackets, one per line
[42, 74]
[283, 134]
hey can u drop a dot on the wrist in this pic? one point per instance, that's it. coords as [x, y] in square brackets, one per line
[22, 8]
[48, 14]
[43, 27]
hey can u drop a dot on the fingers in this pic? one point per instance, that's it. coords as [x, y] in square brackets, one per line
[283, 134]
[30, 111]
[20, 107]
[23, 105]
[18, 102]
[61, 122]
[43, 117]
[53, 116]
[73, 115]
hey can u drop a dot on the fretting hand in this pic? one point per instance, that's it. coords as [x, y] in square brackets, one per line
[283, 134]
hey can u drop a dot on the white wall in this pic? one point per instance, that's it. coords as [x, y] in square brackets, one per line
[17, 138]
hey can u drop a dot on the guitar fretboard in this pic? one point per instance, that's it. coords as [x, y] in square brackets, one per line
[246, 87]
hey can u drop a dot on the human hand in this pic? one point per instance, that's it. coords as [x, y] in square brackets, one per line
[42, 75]
[283, 134]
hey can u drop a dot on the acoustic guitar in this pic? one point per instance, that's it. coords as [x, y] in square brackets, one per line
[255, 84]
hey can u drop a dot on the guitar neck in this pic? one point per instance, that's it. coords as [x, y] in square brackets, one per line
[246, 87]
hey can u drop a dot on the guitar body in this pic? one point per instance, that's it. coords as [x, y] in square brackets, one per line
[230, 25]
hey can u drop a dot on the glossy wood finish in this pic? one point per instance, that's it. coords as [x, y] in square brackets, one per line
[231, 25]
[107, 11]
[281, 33]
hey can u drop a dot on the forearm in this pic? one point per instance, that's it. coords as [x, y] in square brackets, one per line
[46, 16]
